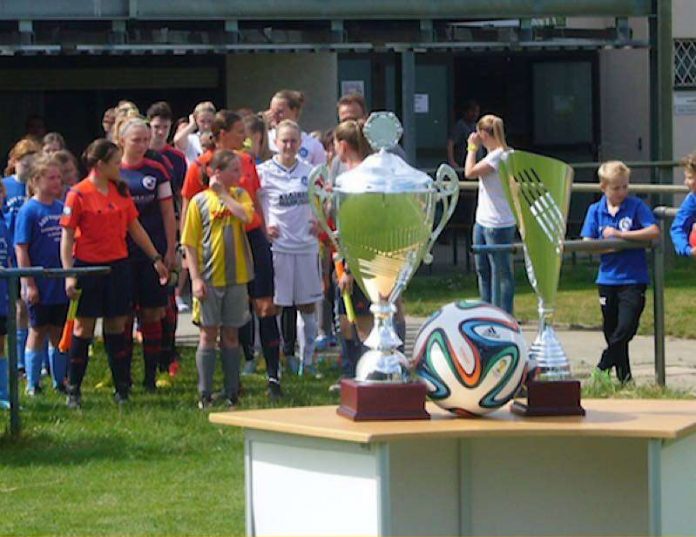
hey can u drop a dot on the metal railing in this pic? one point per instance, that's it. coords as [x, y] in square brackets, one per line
[658, 269]
[13, 276]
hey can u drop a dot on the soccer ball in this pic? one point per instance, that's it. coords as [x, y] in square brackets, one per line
[471, 356]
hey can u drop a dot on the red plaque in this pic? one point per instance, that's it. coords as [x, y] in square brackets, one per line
[362, 401]
[547, 398]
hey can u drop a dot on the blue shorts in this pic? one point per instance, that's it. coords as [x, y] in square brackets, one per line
[262, 284]
[147, 291]
[47, 314]
[106, 295]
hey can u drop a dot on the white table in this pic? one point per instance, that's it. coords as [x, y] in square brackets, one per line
[628, 468]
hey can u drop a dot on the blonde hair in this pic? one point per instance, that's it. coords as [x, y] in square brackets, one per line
[123, 125]
[493, 126]
[205, 106]
[612, 169]
[38, 169]
[351, 132]
[289, 124]
[689, 162]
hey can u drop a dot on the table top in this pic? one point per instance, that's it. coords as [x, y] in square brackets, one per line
[617, 418]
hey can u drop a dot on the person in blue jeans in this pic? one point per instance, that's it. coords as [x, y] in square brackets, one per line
[495, 223]
[623, 275]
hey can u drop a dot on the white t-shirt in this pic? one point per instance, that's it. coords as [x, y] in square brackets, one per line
[193, 148]
[285, 202]
[310, 150]
[493, 209]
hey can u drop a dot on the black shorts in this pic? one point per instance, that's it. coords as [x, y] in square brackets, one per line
[47, 314]
[147, 291]
[361, 304]
[3, 325]
[105, 295]
[262, 284]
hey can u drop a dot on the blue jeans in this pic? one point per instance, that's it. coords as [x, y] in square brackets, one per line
[496, 279]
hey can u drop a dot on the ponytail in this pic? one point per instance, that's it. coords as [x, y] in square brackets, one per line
[103, 150]
[493, 125]
[351, 132]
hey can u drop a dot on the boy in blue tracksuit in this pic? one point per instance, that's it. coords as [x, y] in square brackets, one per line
[623, 275]
[685, 221]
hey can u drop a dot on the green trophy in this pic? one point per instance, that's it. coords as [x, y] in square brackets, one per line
[384, 211]
[538, 191]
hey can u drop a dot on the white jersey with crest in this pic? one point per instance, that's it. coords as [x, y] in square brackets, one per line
[310, 150]
[285, 202]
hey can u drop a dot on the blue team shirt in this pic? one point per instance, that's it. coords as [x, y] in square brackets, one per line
[37, 225]
[148, 184]
[681, 227]
[15, 196]
[626, 266]
[6, 261]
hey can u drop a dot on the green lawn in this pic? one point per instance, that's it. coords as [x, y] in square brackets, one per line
[160, 468]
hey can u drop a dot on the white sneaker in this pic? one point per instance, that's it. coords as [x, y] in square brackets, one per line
[181, 305]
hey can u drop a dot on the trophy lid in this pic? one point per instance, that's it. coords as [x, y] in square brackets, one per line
[383, 172]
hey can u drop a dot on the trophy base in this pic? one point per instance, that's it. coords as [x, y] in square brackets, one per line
[547, 398]
[361, 401]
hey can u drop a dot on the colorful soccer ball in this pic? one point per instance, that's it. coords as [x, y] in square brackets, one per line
[472, 357]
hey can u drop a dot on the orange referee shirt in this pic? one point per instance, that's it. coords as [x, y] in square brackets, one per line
[100, 222]
[249, 180]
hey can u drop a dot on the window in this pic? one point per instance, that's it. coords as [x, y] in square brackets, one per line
[685, 63]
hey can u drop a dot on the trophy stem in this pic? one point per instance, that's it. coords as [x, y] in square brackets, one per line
[383, 362]
[546, 355]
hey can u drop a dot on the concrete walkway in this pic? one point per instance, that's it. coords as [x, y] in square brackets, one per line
[583, 347]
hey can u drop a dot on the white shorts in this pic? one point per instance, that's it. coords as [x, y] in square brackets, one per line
[297, 279]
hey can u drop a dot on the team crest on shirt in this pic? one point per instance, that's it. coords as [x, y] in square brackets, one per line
[303, 152]
[67, 211]
[149, 182]
[626, 223]
[304, 180]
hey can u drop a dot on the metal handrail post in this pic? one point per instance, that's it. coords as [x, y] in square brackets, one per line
[659, 309]
[12, 295]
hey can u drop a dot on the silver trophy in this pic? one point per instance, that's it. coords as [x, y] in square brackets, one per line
[538, 190]
[384, 211]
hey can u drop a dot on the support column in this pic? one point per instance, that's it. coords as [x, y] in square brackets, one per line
[408, 89]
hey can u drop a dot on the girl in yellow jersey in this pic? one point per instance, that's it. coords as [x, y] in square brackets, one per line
[220, 263]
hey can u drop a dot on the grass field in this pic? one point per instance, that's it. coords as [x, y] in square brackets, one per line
[158, 467]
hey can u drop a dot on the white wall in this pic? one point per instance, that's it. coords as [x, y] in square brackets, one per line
[252, 79]
[684, 129]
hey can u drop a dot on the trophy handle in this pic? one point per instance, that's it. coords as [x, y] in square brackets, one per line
[447, 187]
[320, 192]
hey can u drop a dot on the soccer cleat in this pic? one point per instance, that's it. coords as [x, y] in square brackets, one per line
[275, 392]
[174, 368]
[74, 401]
[335, 387]
[249, 367]
[293, 364]
[231, 403]
[310, 371]
[181, 305]
[163, 381]
[321, 343]
[205, 401]
[121, 398]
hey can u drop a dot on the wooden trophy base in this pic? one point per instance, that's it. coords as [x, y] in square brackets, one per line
[547, 398]
[362, 401]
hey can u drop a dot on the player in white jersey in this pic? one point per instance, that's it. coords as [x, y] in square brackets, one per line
[293, 230]
[287, 104]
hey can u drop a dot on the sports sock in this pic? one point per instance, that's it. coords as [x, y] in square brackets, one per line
[230, 358]
[79, 356]
[205, 363]
[117, 355]
[59, 366]
[288, 326]
[309, 333]
[33, 360]
[168, 345]
[152, 348]
[22, 335]
[4, 380]
[270, 343]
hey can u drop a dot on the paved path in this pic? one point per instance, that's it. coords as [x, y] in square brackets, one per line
[582, 346]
